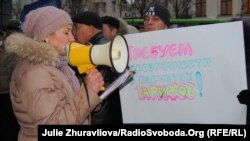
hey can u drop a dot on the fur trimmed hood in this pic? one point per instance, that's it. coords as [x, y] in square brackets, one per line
[27, 48]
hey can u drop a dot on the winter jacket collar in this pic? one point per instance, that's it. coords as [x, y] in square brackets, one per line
[98, 39]
[34, 51]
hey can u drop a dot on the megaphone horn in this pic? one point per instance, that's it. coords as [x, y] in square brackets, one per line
[114, 54]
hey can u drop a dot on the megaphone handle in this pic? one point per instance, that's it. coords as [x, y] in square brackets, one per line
[102, 88]
[87, 70]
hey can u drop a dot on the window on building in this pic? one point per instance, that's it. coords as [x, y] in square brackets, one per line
[201, 8]
[246, 7]
[124, 7]
[226, 7]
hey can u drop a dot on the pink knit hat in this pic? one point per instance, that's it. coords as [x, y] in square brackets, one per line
[41, 22]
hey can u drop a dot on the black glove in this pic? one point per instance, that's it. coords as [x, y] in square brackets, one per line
[244, 97]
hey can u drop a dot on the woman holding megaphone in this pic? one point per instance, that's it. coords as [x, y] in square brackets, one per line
[43, 88]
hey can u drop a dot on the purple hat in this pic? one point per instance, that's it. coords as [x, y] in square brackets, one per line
[42, 22]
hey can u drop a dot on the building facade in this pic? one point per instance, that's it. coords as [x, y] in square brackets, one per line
[226, 9]
[116, 8]
[220, 8]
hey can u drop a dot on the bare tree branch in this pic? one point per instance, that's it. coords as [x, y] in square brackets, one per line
[76, 6]
[182, 8]
[141, 5]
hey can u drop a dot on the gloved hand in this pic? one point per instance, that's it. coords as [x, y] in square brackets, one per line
[244, 97]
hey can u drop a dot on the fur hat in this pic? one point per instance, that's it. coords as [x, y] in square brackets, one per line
[158, 10]
[41, 22]
[88, 18]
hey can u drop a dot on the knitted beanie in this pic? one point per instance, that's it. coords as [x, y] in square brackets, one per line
[88, 18]
[160, 11]
[42, 22]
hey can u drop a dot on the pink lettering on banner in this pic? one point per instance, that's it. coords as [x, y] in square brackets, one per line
[160, 51]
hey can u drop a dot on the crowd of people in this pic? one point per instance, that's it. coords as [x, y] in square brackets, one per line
[43, 88]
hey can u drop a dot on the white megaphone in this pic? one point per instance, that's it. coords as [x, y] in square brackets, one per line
[85, 57]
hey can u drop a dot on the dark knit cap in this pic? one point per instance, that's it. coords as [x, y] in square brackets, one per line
[88, 18]
[111, 21]
[158, 10]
